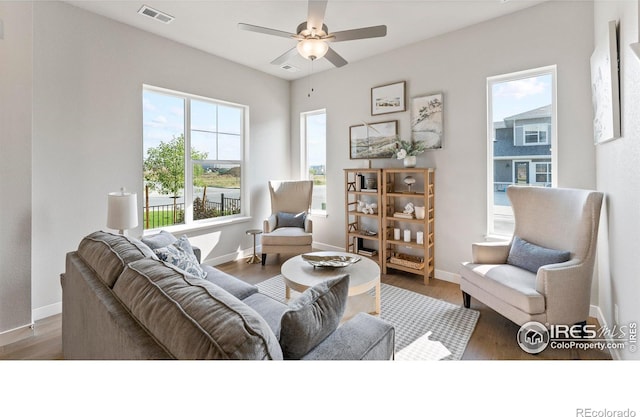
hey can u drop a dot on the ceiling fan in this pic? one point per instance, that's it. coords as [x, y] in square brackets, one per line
[313, 36]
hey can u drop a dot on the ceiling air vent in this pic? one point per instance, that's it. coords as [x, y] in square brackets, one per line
[289, 68]
[155, 14]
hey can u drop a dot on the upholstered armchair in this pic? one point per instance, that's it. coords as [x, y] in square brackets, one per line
[289, 228]
[544, 273]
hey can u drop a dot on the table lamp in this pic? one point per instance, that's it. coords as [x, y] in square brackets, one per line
[122, 211]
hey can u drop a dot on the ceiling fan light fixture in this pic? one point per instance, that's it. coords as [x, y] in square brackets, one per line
[312, 49]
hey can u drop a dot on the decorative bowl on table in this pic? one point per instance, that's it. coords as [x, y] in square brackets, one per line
[330, 261]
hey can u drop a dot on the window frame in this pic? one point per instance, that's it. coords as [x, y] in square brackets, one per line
[304, 162]
[245, 209]
[491, 234]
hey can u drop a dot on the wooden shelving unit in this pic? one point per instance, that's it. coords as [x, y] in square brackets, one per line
[358, 224]
[414, 257]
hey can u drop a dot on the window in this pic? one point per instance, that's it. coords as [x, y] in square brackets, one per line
[536, 134]
[313, 135]
[521, 138]
[190, 140]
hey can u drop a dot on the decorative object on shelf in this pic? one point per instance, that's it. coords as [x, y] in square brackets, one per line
[407, 235]
[427, 125]
[122, 211]
[409, 261]
[420, 238]
[604, 82]
[409, 181]
[390, 98]
[370, 208]
[371, 183]
[420, 212]
[409, 208]
[333, 261]
[375, 140]
[402, 215]
[396, 234]
[407, 151]
[360, 206]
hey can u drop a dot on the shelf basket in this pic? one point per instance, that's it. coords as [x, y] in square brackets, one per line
[408, 261]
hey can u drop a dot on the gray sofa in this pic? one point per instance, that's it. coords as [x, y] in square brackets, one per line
[121, 301]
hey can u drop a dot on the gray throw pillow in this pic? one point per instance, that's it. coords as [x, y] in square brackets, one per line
[180, 254]
[528, 256]
[313, 316]
[159, 240]
[290, 219]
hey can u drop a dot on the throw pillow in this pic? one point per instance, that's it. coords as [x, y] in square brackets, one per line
[159, 240]
[313, 316]
[180, 254]
[528, 256]
[290, 219]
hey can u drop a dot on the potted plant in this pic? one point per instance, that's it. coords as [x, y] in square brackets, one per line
[407, 151]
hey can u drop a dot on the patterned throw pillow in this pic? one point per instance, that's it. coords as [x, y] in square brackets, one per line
[180, 254]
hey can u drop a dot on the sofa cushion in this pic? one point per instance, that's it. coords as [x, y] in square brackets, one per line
[191, 317]
[513, 284]
[231, 284]
[108, 253]
[159, 240]
[269, 309]
[313, 316]
[287, 236]
[290, 219]
[531, 257]
[180, 254]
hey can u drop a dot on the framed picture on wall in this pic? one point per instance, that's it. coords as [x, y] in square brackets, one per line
[372, 141]
[390, 98]
[604, 86]
[427, 120]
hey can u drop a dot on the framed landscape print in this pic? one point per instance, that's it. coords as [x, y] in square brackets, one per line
[388, 98]
[375, 140]
[604, 86]
[427, 123]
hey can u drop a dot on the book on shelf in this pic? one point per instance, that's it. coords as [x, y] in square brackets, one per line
[367, 252]
[403, 215]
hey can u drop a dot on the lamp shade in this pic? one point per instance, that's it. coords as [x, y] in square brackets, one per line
[122, 210]
[312, 48]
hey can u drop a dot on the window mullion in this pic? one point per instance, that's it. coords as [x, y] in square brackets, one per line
[188, 165]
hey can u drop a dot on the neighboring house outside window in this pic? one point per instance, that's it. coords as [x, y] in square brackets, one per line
[521, 140]
[313, 145]
[191, 140]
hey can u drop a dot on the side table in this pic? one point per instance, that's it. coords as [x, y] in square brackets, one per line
[254, 259]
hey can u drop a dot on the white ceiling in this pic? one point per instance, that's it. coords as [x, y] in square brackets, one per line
[211, 26]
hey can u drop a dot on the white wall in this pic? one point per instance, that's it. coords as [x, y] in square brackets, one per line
[458, 65]
[617, 177]
[87, 130]
[16, 86]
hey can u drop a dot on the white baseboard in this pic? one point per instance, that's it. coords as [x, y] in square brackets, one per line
[14, 335]
[46, 311]
[595, 311]
[447, 276]
[324, 246]
[230, 257]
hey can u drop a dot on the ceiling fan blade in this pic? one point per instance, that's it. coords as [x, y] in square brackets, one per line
[315, 17]
[286, 56]
[267, 31]
[362, 33]
[333, 57]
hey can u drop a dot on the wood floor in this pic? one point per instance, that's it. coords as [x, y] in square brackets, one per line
[493, 338]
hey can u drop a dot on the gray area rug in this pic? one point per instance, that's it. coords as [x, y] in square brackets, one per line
[413, 316]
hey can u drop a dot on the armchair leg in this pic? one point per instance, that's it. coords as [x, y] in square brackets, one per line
[466, 299]
[264, 258]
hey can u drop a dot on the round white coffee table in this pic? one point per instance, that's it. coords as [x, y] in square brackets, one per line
[364, 275]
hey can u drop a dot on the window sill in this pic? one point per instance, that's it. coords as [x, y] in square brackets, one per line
[319, 213]
[185, 228]
[497, 238]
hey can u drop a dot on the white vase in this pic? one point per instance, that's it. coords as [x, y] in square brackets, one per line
[409, 161]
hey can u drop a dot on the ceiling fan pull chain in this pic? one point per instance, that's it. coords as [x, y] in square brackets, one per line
[310, 83]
